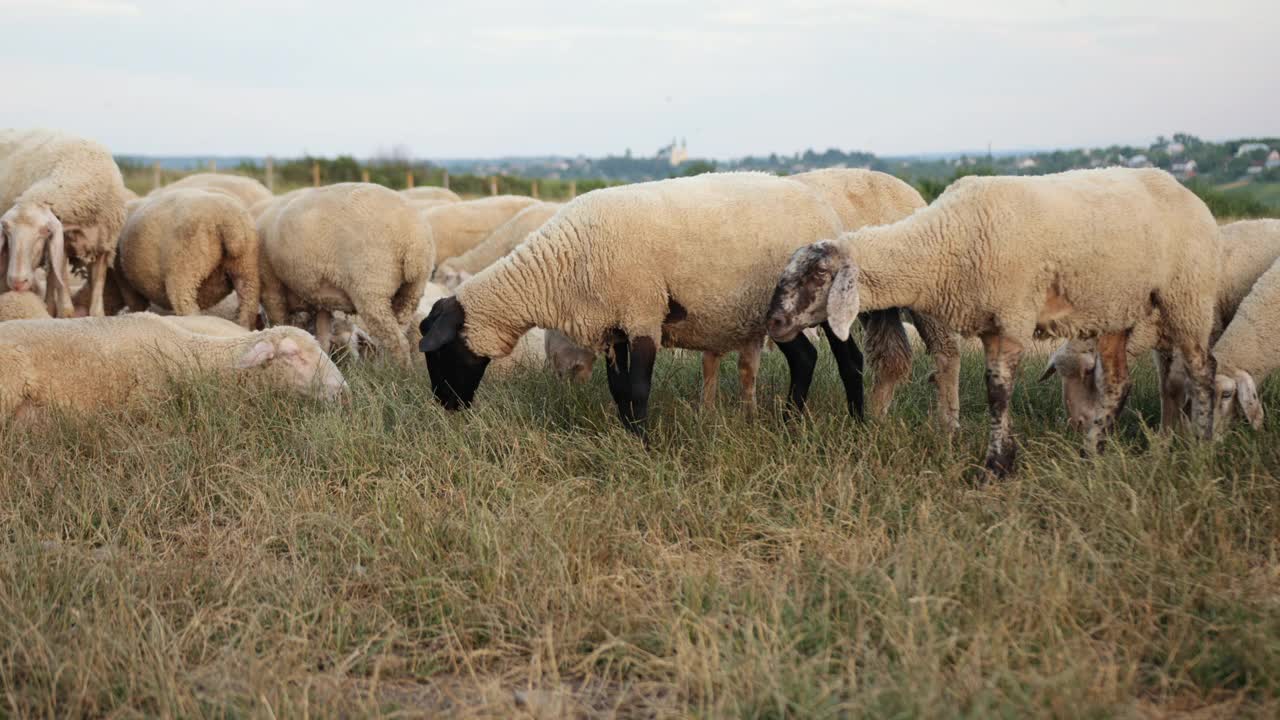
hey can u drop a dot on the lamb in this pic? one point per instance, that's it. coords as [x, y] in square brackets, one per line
[21, 306]
[428, 192]
[685, 263]
[1249, 248]
[187, 249]
[354, 247]
[500, 242]
[1248, 351]
[61, 197]
[246, 190]
[1077, 254]
[458, 227]
[89, 364]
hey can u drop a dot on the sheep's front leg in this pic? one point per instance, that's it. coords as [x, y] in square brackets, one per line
[1002, 355]
[748, 370]
[802, 358]
[1113, 387]
[98, 280]
[710, 378]
[1173, 391]
[324, 329]
[1201, 368]
[644, 352]
[849, 364]
[944, 346]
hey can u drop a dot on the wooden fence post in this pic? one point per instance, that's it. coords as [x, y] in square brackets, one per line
[315, 173]
[271, 175]
[493, 184]
[533, 189]
[408, 179]
[445, 182]
[155, 175]
[573, 189]
[364, 175]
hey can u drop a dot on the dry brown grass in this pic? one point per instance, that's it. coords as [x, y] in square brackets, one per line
[228, 554]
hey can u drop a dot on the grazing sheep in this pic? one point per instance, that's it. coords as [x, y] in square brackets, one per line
[430, 193]
[354, 247]
[1077, 254]
[22, 306]
[62, 197]
[87, 364]
[685, 263]
[501, 241]
[246, 190]
[861, 198]
[1249, 249]
[458, 227]
[1249, 351]
[187, 249]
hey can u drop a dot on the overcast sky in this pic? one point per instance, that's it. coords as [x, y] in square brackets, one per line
[498, 77]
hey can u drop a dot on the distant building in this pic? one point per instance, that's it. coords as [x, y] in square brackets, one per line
[1175, 149]
[1255, 169]
[673, 153]
[1138, 161]
[1273, 160]
[1027, 163]
[1185, 170]
[1247, 148]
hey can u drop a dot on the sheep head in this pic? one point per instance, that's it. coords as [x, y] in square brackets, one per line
[27, 232]
[455, 369]
[1236, 392]
[1076, 362]
[819, 284]
[292, 358]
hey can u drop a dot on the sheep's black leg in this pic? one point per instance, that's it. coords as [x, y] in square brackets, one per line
[849, 363]
[616, 368]
[644, 352]
[801, 360]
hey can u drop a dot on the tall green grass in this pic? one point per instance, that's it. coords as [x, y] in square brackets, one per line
[227, 553]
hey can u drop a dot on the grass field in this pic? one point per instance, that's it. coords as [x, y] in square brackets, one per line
[229, 553]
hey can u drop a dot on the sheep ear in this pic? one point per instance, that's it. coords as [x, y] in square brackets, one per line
[260, 353]
[59, 269]
[843, 301]
[1247, 396]
[442, 325]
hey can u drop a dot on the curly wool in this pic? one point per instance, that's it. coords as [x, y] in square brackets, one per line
[458, 227]
[502, 240]
[246, 190]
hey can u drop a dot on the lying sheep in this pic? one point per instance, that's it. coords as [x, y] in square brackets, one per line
[1077, 254]
[430, 193]
[458, 227]
[501, 241]
[354, 247]
[1249, 351]
[1249, 249]
[246, 190]
[61, 197]
[21, 306]
[89, 364]
[186, 250]
[686, 263]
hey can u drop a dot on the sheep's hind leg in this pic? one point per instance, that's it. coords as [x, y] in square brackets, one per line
[1002, 355]
[98, 281]
[1113, 388]
[849, 364]
[1172, 392]
[802, 358]
[382, 326]
[710, 378]
[748, 370]
[324, 329]
[1201, 368]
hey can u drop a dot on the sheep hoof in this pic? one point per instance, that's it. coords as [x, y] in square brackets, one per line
[1000, 464]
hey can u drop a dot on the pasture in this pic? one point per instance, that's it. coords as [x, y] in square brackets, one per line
[231, 554]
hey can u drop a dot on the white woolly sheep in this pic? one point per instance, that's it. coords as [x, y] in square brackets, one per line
[431, 193]
[1249, 351]
[244, 189]
[458, 227]
[354, 247]
[62, 197]
[22, 306]
[1249, 248]
[1077, 254]
[501, 241]
[87, 364]
[187, 249]
[686, 263]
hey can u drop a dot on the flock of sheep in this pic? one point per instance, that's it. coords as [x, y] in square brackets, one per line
[1115, 262]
